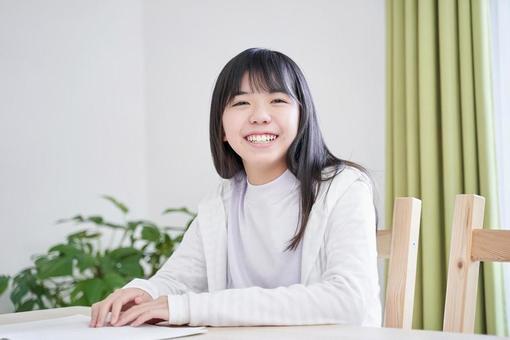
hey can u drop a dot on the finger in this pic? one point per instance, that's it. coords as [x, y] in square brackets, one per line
[131, 314]
[117, 306]
[142, 318]
[93, 315]
[104, 308]
[135, 311]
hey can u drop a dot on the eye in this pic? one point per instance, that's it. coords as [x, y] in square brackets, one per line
[239, 103]
[278, 100]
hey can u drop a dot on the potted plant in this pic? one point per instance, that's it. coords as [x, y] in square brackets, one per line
[81, 271]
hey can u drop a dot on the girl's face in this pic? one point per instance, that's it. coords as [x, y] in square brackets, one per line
[260, 126]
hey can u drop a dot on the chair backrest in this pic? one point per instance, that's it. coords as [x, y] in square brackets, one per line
[400, 245]
[469, 245]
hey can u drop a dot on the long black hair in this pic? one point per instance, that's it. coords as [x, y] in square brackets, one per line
[307, 156]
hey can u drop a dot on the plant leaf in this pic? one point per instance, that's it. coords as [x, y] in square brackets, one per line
[19, 292]
[83, 234]
[113, 225]
[120, 253]
[166, 247]
[92, 289]
[85, 261]
[118, 204]
[36, 288]
[130, 267]
[106, 263]
[189, 222]
[78, 297]
[4, 283]
[26, 306]
[77, 292]
[114, 281]
[150, 233]
[183, 210]
[133, 224]
[99, 221]
[178, 239]
[77, 218]
[65, 250]
[60, 266]
[95, 219]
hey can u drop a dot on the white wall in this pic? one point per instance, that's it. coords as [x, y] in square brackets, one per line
[80, 116]
[339, 45]
[72, 122]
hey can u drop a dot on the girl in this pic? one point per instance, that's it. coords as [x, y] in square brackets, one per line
[289, 236]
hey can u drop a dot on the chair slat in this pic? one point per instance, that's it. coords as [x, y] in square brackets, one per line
[491, 245]
[460, 304]
[398, 311]
[383, 243]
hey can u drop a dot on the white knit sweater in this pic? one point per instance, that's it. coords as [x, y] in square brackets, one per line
[339, 281]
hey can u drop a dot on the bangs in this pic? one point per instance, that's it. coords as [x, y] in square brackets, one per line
[266, 73]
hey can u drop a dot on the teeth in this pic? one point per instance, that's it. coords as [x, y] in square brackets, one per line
[261, 138]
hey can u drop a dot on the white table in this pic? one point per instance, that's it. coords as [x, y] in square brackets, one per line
[257, 333]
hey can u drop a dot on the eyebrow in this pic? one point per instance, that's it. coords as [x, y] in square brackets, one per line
[270, 92]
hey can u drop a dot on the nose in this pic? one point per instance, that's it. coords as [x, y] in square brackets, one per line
[260, 116]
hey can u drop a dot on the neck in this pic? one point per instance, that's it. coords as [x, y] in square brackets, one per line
[258, 175]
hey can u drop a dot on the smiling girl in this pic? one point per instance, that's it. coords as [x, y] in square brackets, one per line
[289, 236]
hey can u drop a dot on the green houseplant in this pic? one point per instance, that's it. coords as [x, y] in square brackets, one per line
[82, 271]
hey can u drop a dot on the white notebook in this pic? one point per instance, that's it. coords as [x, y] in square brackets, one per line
[76, 327]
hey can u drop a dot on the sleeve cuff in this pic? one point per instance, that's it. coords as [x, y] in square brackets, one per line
[178, 309]
[144, 285]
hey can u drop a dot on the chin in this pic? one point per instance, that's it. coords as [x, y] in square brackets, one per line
[265, 162]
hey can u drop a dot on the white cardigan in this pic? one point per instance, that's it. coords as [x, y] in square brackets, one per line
[339, 281]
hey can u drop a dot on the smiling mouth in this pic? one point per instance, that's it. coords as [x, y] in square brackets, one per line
[261, 139]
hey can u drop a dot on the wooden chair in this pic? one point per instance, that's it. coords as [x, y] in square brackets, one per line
[400, 245]
[470, 244]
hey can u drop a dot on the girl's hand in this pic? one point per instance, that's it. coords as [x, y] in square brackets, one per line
[121, 299]
[153, 311]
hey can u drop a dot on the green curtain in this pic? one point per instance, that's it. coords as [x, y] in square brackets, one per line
[439, 138]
